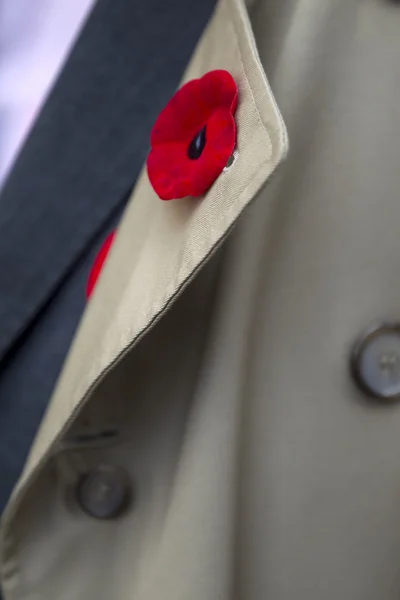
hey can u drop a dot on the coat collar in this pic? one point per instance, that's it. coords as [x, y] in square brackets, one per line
[86, 149]
[161, 246]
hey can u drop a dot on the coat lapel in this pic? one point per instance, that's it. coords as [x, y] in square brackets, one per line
[161, 246]
[86, 149]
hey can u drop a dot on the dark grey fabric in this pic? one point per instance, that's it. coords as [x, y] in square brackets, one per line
[70, 182]
[29, 371]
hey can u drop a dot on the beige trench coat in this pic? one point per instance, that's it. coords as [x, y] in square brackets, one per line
[216, 347]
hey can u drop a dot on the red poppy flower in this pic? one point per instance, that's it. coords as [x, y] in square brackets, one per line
[194, 136]
[99, 263]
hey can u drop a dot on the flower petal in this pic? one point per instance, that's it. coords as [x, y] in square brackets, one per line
[170, 171]
[99, 263]
[219, 89]
[192, 105]
[183, 116]
[221, 138]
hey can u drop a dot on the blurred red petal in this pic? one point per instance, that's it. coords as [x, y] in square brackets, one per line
[220, 89]
[99, 263]
[183, 116]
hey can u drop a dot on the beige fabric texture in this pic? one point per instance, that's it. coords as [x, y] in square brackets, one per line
[260, 470]
[159, 249]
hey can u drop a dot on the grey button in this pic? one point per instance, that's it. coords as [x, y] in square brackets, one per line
[376, 362]
[104, 492]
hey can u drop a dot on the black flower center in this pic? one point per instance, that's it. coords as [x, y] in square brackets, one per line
[197, 144]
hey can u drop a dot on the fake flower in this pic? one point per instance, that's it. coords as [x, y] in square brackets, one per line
[193, 137]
